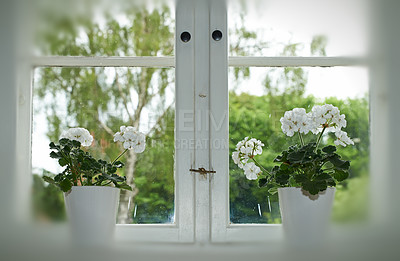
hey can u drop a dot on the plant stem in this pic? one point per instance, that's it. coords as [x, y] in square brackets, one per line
[120, 155]
[301, 139]
[319, 138]
[258, 164]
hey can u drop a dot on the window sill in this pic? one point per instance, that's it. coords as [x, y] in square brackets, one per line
[50, 243]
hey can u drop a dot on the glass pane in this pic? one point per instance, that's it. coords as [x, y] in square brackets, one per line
[297, 28]
[93, 28]
[101, 100]
[257, 103]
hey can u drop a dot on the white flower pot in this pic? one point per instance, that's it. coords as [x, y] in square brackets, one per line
[305, 217]
[92, 214]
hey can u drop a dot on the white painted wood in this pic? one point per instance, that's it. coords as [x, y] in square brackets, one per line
[8, 115]
[23, 144]
[184, 122]
[219, 122]
[148, 233]
[201, 40]
[165, 62]
[79, 61]
[253, 233]
[296, 61]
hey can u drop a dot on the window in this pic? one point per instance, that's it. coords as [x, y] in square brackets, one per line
[195, 84]
[105, 66]
[280, 63]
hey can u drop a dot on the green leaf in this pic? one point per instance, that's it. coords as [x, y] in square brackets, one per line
[323, 176]
[114, 177]
[54, 155]
[282, 178]
[53, 146]
[295, 157]
[124, 186]
[273, 190]
[49, 180]
[63, 141]
[65, 185]
[75, 144]
[63, 162]
[300, 178]
[329, 149]
[331, 182]
[67, 149]
[315, 186]
[341, 175]
[59, 177]
[118, 164]
[262, 182]
[338, 163]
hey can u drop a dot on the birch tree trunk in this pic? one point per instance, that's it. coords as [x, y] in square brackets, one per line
[126, 198]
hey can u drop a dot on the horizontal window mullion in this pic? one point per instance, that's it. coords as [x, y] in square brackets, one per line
[262, 61]
[248, 61]
[79, 61]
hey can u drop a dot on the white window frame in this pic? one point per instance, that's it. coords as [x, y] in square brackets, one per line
[182, 230]
[221, 228]
[201, 68]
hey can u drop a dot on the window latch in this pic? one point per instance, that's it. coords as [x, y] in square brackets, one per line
[202, 171]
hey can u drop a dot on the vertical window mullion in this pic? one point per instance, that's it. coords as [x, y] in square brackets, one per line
[201, 123]
[219, 120]
[184, 120]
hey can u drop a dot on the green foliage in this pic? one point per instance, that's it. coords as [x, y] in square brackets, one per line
[351, 201]
[310, 168]
[318, 45]
[82, 169]
[47, 201]
[154, 176]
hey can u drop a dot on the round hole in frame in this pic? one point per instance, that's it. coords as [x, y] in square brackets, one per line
[185, 37]
[217, 35]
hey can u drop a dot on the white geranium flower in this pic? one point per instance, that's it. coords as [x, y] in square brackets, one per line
[342, 139]
[326, 116]
[340, 121]
[251, 170]
[140, 143]
[246, 149]
[236, 157]
[119, 135]
[296, 120]
[131, 139]
[79, 134]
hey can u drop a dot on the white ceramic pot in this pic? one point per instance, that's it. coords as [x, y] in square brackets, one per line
[305, 217]
[92, 214]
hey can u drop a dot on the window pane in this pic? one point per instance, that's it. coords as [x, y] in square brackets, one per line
[101, 100]
[298, 28]
[257, 103]
[92, 28]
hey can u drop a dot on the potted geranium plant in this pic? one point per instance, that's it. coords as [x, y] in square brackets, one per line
[91, 186]
[306, 174]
